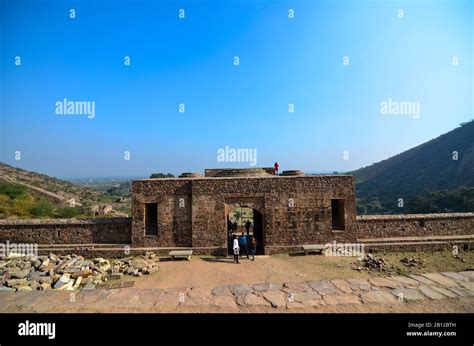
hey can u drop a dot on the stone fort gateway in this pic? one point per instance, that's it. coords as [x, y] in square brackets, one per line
[289, 210]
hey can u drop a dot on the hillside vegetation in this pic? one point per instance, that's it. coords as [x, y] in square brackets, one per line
[26, 194]
[436, 176]
[20, 202]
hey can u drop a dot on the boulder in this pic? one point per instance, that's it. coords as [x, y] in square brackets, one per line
[323, 287]
[53, 258]
[304, 297]
[77, 283]
[222, 291]
[407, 294]
[89, 286]
[252, 299]
[226, 302]
[84, 273]
[441, 279]
[240, 290]
[23, 264]
[45, 280]
[37, 263]
[63, 280]
[19, 273]
[382, 297]
[296, 287]
[16, 282]
[139, 263]
[383, 282]
[276, 298]
[342, 285]
[267, 287]
[341, 299]
[44, 286]
[150, 270]
[430, 293]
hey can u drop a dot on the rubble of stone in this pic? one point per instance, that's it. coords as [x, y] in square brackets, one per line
[69, 272]
[371, 263]
[411, 262]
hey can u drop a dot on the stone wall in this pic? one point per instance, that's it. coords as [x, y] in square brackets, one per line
[414, 225]
[67, 231]
[173, 197]
[192, 213]
[201, 223]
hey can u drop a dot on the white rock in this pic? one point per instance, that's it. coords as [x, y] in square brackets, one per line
[64, 279]
[78, 282]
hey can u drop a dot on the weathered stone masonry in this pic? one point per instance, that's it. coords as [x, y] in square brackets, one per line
[415, 225]
[67, 231]
[296, 210]
[191, 212]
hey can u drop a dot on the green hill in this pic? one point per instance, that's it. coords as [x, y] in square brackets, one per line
[436, 176]
[18, 201]
[26, 194]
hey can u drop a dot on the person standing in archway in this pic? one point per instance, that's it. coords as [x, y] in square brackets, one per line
[244, 244]
[276, 166]
[253, 247]
[247, 227]
[236, 249]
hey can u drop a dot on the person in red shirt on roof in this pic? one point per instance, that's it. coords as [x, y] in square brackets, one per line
[276, 168]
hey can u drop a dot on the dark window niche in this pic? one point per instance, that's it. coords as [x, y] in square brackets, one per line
[337, 214]
[151, 219]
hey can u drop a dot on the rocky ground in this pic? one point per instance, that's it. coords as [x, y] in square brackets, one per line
[69, 272]
[278, 283]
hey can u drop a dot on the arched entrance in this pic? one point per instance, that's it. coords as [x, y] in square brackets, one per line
[247, 220]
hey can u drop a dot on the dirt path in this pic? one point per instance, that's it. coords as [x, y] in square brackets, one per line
[207, 271]
[210, 271]
[40, 190]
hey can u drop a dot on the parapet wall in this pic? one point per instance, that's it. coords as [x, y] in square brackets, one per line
[238, 172]
[67, 231]
[414, 225]
[119, 230]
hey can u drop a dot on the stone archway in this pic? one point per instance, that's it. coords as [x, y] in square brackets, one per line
[256, 204]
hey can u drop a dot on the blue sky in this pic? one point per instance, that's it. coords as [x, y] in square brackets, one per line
[190, 61]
